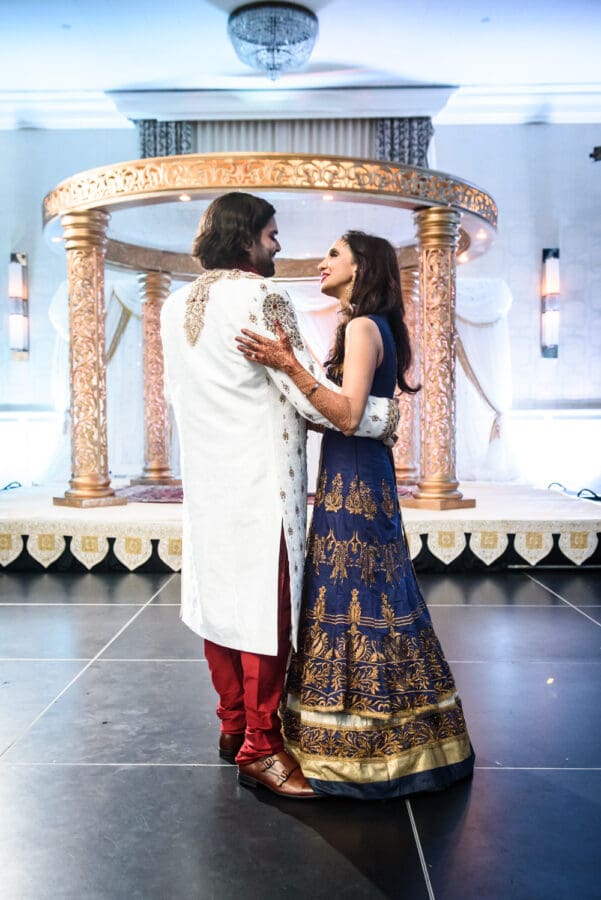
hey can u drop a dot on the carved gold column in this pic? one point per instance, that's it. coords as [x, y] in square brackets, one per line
[438, 233]
[85, 243]
[154, 287]
[406, 449]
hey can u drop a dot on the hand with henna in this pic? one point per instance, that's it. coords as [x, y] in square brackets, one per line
[277, 354]
[280, 355]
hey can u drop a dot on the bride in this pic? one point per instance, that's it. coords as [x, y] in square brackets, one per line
[370, 708]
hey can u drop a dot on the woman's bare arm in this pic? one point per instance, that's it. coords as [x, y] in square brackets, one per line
[363, 352]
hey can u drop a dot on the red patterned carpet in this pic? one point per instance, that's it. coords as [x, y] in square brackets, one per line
[151, 493]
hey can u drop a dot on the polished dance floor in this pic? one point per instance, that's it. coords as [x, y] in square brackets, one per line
[111, 787]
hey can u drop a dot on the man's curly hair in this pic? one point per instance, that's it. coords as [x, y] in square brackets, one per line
[230, 225]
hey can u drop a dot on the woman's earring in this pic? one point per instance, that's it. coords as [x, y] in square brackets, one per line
[349, 293]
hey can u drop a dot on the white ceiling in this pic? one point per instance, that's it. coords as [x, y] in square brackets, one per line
[500, 60]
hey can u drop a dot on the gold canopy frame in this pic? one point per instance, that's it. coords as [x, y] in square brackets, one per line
[451, 216]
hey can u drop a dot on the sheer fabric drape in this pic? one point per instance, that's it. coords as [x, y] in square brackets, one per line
[124, 379]
[483, 371]
[483, 380]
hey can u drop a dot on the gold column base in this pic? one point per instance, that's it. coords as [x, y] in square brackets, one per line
[437, 502]
[406, 476]
[88, 502]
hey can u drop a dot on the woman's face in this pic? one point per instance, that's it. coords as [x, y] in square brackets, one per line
[337, 271]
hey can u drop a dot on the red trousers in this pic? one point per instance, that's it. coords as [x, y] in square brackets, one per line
[250, 685]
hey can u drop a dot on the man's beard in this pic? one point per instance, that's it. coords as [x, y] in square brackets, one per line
[265, 266]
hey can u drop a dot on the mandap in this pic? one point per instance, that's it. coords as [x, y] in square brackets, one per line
[141, 215]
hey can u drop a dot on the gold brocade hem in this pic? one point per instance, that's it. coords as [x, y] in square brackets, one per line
[437, 755]
[327, 716]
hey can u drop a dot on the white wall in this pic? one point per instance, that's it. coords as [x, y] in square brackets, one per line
[32, 162]
[549, 195]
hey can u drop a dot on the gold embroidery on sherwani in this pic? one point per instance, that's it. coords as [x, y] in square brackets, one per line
[359, 500]
[198, 296]
[387, 500]
[276, 309]
[392, 419]
[333, 499]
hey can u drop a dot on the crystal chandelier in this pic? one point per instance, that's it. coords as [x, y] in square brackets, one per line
[273, 37]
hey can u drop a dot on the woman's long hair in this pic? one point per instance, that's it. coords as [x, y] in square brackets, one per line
[376, 291]
[231, 223]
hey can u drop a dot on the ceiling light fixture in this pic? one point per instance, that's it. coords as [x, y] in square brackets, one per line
[273, 37]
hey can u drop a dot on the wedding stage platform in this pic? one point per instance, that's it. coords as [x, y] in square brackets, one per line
[511, 525]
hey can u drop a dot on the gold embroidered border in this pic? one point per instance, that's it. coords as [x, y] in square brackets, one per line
[332, 717]
[364, 771]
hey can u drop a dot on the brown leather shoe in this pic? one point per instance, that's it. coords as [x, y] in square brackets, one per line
[280, 774]
[229, 745]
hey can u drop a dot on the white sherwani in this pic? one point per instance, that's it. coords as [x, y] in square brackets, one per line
[243, 445]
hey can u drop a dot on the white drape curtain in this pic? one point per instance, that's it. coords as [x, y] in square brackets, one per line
[483, 445]
[124, 379]
[483, 380]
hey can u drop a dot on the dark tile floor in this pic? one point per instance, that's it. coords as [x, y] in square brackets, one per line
[111, 789]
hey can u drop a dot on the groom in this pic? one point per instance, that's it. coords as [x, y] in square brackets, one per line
[242, 434]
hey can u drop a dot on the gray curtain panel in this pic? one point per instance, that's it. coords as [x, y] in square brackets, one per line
[164, 138]
[404, 140]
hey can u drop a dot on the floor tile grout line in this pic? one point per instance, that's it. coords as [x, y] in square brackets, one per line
[114, 765]
[177, 765]
[430, 605]
[69, 605]
[420, 852]
[107, 659]
[200, 659]
[48, 706]
[539, 768]
[497, 605]
[517, 661]
[571, 605]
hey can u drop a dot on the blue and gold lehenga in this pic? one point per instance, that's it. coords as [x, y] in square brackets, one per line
[371, 709]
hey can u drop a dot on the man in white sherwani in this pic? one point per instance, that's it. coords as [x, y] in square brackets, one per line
[242, 430]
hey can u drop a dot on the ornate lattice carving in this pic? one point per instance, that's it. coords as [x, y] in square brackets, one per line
[438, 420]
[85, 244]
[145, 178]
[406, 449]
[154, 288]
[438, 232]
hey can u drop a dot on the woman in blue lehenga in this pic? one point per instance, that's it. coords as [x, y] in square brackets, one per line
[370, 708]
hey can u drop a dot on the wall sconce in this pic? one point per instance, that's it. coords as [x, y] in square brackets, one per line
[549, 307]
[18, 314]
